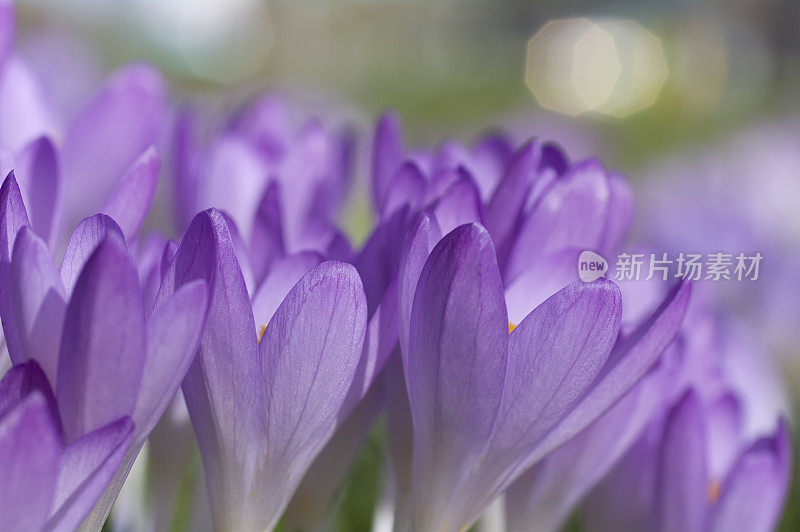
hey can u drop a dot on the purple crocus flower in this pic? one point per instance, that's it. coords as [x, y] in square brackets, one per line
[85, 325]
[50, 483]
[487, 405]
[270, 383]
[71, 166]
[715, 458]
[282, 187]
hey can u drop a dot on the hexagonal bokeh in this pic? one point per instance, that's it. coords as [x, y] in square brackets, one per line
[614, 67]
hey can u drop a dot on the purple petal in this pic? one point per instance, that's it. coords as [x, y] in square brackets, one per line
[387, 154]
[123, 119]
[22, 380]
[13, 216]
[459, 204]
[555, 355]
[630, 359]
[173, 336]
[185, 168]
[753, 495]
[25, 113]
[38, 303]
[419, 243]
[221, 388]
[723, 434]
[84, 241]
[620, 213]
[29, 448]
[570, 215]
[683, 480]
[40, 180]
[233, 179]
[131, 200]
[504, 210]
[266, 238]
[543, 497]
[86, 467]
[379, 259]
[317, 493]
[492, 154]
[407, 187]
[266, 123]
[456, 365]
[103, 348]
[308, 357]
[279, 282]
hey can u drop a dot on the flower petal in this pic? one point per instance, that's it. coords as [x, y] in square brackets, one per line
[22, 380]
[683, 479]
[387, 155]
[25, 113]
[279, 282]
[407, 187]
[29, 448]
[86, 467]
[125, 117]
[38, 302]
[222, 387]
[131, 200]
[456, 366]
[12, 218]
[103, 347]
[173, 336]
[630, 359]
[40, 181]
[266, 237]
[83, 242]
[754, 492]
[571, 214]
[308, 357]
[543, 498]
[459, 204]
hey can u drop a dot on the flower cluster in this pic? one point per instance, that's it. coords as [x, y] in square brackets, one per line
[502, 376]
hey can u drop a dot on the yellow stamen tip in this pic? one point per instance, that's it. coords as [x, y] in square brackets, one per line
[261, 331]
[511, 327]
[713, 491]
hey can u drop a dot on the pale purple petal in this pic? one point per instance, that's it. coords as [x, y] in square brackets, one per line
[407, 187]
[456, 366]
[124, 118]
[683, 480]
[221, 388]
[13, 216]
[620, 213]
[84, 240]
[86, 467]
[543, 498]
[378, 260]
[420, 240]
[29, 448]
[40, 181]
[173, 336]
[266, 237]
[630, 359]
[22, 380]
[505, 209]
[25, 113]
[38, 302]
[387, 155]
[459, 204]
[279, 282]
[131, 200]
[308, 358]
[572, 214]
[103, 347]
[754, 492]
